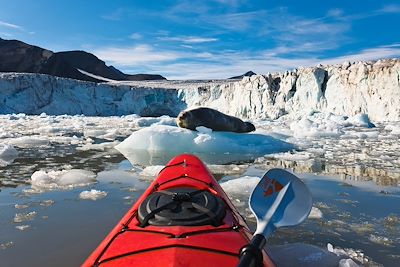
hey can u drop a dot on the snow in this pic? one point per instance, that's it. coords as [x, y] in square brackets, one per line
[204, 130]
[104, 79]
[93, 194]
[148, 145]
[64, 179]
[7, 154]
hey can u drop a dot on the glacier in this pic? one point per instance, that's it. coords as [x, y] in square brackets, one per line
[347, 89]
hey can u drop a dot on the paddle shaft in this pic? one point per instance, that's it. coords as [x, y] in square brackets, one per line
[251, 254]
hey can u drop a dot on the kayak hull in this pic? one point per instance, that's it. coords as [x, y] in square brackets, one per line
[131, 244]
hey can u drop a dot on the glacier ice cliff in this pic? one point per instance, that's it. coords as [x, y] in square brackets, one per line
[371, 88]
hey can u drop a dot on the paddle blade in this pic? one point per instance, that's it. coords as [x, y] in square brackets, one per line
[280, 199]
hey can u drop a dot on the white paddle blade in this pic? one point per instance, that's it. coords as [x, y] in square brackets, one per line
[280, 199]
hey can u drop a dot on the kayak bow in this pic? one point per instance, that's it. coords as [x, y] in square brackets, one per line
[184, 218]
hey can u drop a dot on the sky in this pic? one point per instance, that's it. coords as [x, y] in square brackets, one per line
[208, 39]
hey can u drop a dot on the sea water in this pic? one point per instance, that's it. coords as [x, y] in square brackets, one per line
[64, 186]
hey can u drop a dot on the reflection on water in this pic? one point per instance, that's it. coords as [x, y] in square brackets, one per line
[384, 177]
[146, 158]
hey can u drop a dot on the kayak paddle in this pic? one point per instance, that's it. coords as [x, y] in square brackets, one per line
[279, 199]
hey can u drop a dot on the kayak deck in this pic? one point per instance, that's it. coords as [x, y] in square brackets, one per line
[131, 244]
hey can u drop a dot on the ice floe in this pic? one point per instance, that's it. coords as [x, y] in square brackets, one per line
[159, 143]
[22, 227]
[64, 179]
[7, 154]
[24, 216]
[151, 171]
[240, 186]
[350, 255]
[306, 255]
[93, 194]
[315, 213]
[32, 141]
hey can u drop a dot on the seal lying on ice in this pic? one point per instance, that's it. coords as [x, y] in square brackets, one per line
[213, 119]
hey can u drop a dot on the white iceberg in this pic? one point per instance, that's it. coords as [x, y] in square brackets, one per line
[157, 144]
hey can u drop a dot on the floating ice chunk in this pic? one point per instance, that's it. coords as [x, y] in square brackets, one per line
[227, 169]
[6, 245]
[92, 194]
[347, 263]
[394, 128]
[304, 255]
[30, 141]
[47, 203]
[243, 185]
[360, 120]
[21, 206]
[349, 253]
[147, 121]
[64, 179]
[22, 227]
[158, 143]
[25, 216]
[294, 156]
[94, 133]
[308, 128]
[151, 171]
[381, 240]
[315, 213]
[7, 154]
[100, 147]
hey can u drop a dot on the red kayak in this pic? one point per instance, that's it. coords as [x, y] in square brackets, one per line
[183, 219]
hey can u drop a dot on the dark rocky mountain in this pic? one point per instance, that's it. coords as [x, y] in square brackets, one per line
[17, 56]
[249, 73]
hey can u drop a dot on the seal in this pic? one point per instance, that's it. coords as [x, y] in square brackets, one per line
[213, 119]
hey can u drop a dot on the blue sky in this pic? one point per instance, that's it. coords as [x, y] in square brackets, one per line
[211, 38]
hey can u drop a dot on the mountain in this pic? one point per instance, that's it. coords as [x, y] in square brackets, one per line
[247, 74]
[17, 56]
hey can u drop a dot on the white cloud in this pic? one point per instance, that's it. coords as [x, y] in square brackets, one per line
[10, 25]
[391, 9]
[135, 36]
[5, 34]
[336, 12]
[116, 15]
[135, 56]
[188, 39]
[224, 64]
[387, 51]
